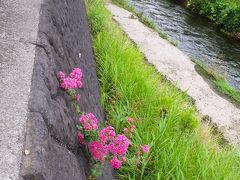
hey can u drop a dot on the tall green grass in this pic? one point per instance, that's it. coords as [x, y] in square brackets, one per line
[181, 148]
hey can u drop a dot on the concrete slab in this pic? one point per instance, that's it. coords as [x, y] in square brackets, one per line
[18, 24]
[178, 68]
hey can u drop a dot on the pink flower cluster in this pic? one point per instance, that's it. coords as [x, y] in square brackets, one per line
[110, 145]
[119, 145]
[115, 162]
[130, 130]
[80, 137]
[145, 148]
[73, 81]
[105, 144]
[89, 122]
[107, 134]
[98, 150]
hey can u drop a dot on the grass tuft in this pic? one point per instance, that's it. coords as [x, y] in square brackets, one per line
[181, 148]
[218, 82]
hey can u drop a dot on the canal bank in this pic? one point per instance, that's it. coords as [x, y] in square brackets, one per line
[198, 37]
[179, 69]
[166, 119]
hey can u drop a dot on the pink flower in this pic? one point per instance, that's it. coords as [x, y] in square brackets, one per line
[107, 134]
[78, 97]
[132, 128]
[73, 81]
[116, 164]
[98, 150]
[89, 122]
[125, 130]
[123, 159]
[61, 75]
[79, 84]
[76, 74]
[80, 137]
[145, 148]
[130, 120]
[68, 83]
[120, 145]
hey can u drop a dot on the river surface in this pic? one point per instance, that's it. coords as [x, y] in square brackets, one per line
[197, 36]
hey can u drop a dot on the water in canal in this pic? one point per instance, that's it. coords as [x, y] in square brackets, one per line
[197, 36]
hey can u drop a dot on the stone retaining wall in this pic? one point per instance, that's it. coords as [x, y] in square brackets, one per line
[51, 150]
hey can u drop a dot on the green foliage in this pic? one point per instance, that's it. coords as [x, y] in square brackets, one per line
[181, 148]
[96, 17]
[226, 89]
[218, 81]
[226, 13]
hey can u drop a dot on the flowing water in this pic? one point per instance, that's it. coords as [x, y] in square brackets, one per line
[197, 36]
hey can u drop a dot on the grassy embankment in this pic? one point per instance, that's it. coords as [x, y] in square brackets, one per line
[226, 13]
[148, 22]
[218, 82]
[181, 147]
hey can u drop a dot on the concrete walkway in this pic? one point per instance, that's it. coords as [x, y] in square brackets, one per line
[178, 68]
[18, 26]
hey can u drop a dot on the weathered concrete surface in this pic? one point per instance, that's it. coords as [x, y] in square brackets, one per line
[18, 23]
[178, 68]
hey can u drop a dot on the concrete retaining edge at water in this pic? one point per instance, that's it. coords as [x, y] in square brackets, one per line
[38, 125]
[180, 70]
